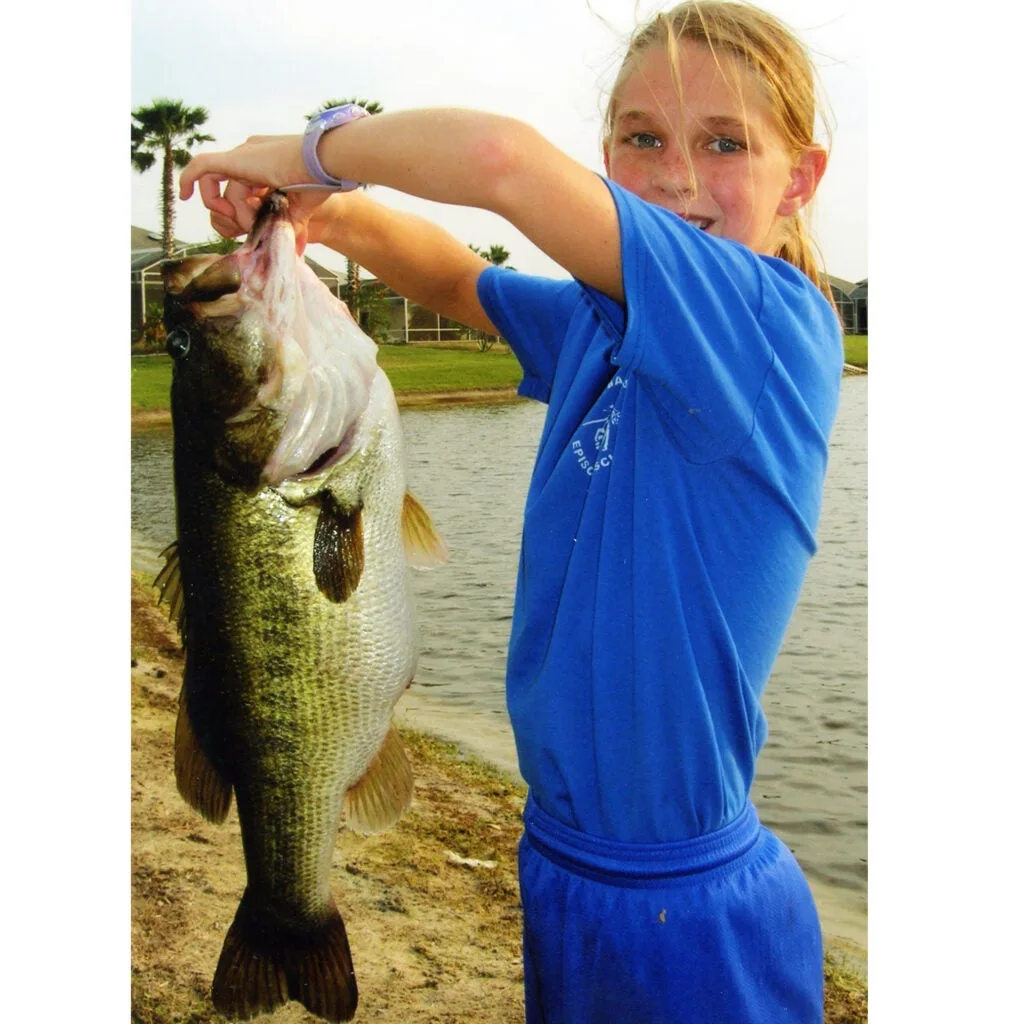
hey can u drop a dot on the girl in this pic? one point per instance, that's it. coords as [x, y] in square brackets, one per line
[691, 368]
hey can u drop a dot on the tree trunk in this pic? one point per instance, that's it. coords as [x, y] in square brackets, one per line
[354, 289]
[168, 202]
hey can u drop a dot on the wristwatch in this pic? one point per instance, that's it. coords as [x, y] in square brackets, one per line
[318, 125]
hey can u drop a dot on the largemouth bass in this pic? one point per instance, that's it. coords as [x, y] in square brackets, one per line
[289, 581]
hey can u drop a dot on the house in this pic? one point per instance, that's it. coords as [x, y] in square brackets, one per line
[859, 296]
[852, 302]
[146, 273]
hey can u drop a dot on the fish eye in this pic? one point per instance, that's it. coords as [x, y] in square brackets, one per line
[178, 343]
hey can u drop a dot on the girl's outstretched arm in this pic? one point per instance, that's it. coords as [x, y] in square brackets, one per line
[452, 156]
[409, 254]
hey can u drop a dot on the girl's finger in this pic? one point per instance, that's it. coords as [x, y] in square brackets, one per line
[245, 201]
[226, 227]
[210, 194]
[191, 172]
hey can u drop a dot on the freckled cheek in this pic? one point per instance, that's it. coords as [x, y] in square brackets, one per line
[628, 174]
[735, 193]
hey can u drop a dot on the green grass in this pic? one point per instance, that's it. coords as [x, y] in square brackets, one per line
[150, 377]
[410, 369]
[414, 368]
[855, 349]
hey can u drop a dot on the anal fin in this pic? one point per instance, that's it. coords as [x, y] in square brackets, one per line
[199, 782]
[383, 794]
[338, 550]
[264, 963]
[422, 543]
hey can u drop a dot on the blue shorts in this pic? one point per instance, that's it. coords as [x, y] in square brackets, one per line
[722, 928]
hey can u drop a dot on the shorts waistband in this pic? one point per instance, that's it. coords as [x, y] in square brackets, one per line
[638, 863]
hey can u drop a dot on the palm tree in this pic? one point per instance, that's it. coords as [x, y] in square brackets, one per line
[161, 128]
[354, 284]
[497, 255]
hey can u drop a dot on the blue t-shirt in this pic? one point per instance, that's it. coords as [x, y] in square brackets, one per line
[669, 523]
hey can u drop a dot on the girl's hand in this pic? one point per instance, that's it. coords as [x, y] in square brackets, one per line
[233, 214]
[252, 170]
[260, 164]
[262, 160]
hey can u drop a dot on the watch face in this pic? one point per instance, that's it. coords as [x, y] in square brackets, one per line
[318, 125]
[336, 116]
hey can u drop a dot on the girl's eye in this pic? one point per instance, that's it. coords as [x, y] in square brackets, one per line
[644, 140]
[724, 145]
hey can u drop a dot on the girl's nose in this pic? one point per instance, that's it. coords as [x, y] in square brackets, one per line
[674, 176]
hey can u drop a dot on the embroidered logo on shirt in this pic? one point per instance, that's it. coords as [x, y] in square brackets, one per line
[602, 421]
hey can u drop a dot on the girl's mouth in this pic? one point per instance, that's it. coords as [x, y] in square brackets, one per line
[703, 223]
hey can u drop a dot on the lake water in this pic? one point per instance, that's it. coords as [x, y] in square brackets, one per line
[470, 465]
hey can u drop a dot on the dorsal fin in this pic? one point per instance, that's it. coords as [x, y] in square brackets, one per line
[422, 544]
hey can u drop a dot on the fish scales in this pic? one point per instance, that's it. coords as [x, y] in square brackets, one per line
[299, 628]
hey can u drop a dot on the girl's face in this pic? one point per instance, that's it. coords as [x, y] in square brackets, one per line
[744, 187]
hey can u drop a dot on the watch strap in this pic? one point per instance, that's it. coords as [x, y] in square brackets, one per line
[318, 126]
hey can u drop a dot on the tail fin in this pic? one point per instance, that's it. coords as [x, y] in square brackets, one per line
[265, 963]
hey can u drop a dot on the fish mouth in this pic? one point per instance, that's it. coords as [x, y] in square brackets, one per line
[273, 206]
[322, 365]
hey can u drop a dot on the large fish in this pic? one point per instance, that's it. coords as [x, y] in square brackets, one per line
[289, 580]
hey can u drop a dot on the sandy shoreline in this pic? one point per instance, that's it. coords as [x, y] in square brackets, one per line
[433, 940]
[489, 739]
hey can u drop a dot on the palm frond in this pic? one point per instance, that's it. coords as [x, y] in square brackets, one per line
[142, 160]
[371, 106]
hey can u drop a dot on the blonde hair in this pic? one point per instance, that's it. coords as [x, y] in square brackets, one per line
[783, 70]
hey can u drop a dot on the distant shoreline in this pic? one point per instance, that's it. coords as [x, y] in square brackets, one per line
[142, 419]
[151, 418]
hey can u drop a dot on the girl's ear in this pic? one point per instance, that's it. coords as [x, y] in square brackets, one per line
[805, 177]
[607, 158]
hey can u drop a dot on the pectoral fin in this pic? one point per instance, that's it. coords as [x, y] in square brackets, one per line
[422, 544]
[199, 782]
[338, 551]
[170, 588]
[383, 794]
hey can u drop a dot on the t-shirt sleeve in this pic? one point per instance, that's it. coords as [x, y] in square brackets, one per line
[692, 331]
[531, 313]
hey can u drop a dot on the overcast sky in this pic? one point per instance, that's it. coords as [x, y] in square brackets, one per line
[259, 66]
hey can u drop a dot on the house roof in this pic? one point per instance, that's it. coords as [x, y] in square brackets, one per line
[838, 282]
[142, 238]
